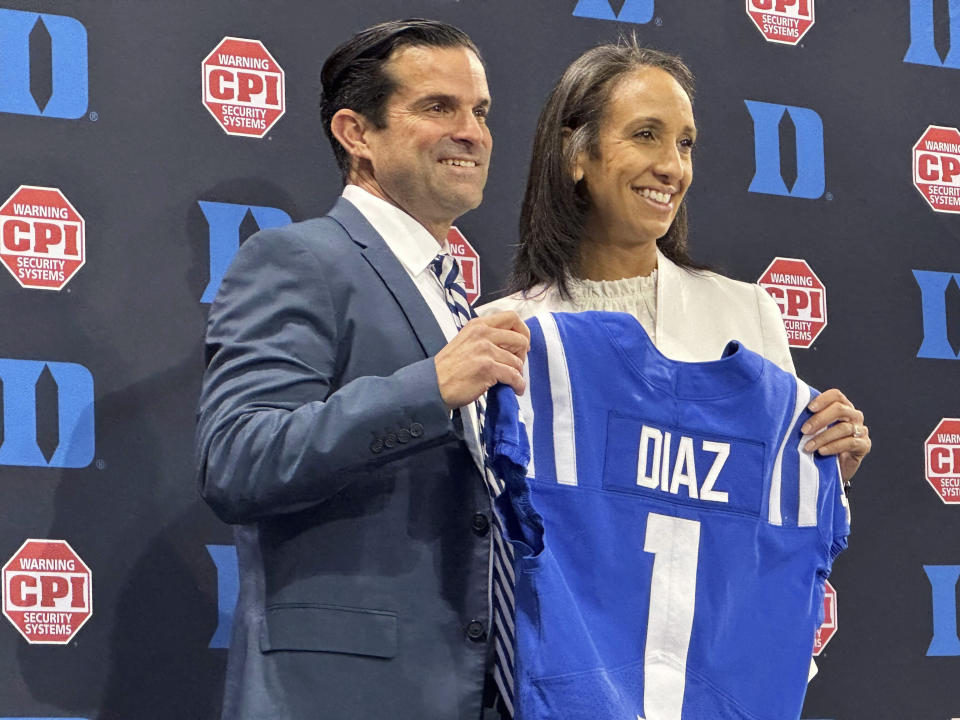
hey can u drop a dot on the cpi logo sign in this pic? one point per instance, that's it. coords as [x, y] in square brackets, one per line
[801, 297]
[469, 262]
[936, 168]
[47, 592]
[41, 238]
[243, 87]
[828, 628]
[942, 452]
[782, 21]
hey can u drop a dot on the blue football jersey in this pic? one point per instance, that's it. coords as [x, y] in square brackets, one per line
[671, 538]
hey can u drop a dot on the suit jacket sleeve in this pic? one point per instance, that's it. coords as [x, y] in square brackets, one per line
[278, 430]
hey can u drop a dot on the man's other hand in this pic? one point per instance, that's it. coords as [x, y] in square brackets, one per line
[486, 351]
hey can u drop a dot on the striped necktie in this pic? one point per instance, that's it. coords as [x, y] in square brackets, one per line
[447, 270]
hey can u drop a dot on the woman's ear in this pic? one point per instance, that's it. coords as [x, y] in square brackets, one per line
[577, 166]
[577, 171]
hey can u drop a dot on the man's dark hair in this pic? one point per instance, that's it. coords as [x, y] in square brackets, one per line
[355, 77]
[555, 207]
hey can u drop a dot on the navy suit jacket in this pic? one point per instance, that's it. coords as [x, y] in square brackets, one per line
[362, 520]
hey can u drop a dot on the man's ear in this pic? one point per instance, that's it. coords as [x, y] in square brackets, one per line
[350, 129]
[576, 168]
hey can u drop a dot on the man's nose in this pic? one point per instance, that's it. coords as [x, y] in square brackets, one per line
[469, 128]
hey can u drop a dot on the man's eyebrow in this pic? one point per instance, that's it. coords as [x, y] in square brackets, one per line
[448, 100]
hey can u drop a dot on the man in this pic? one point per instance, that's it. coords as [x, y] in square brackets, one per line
[337, 425]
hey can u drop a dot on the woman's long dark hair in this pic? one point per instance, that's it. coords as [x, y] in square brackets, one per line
[552, 221]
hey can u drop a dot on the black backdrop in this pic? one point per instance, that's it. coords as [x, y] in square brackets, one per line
[138, 152]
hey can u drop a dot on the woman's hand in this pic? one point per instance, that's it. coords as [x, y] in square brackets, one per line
[845, 435]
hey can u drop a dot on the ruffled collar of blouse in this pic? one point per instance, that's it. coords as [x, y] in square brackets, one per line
[593, 292]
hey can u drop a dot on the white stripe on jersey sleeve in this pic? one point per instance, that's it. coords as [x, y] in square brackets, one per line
[564, 441]
[809, 486]
[774, 515]
[526, 416]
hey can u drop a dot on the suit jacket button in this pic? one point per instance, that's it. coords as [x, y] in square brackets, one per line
[376, 446]
[390, 440]
[416, 430]
[475, 631]
[403, 436]
[480, 524]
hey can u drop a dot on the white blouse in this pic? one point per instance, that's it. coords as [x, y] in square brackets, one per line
[636, 296]
[689, 315]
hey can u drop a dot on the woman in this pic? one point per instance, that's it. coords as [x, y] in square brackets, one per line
[604, 227]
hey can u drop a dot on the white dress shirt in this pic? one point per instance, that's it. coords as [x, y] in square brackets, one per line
[416, 248]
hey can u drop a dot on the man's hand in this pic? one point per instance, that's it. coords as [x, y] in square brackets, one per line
[486, 351]
[845, 434]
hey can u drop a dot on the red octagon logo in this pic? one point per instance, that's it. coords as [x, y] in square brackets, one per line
[47, 592]
[829, 626]
[936, 168]
[801, 297]
[41, 238]
[782, 21]
[469, 262]
[243, 87]
[942, 452]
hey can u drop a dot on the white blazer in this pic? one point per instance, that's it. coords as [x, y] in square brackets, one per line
[698, 313]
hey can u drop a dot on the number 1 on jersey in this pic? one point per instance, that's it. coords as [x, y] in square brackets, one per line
[675, 544]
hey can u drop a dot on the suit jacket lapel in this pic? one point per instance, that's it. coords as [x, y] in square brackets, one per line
[391, 272]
